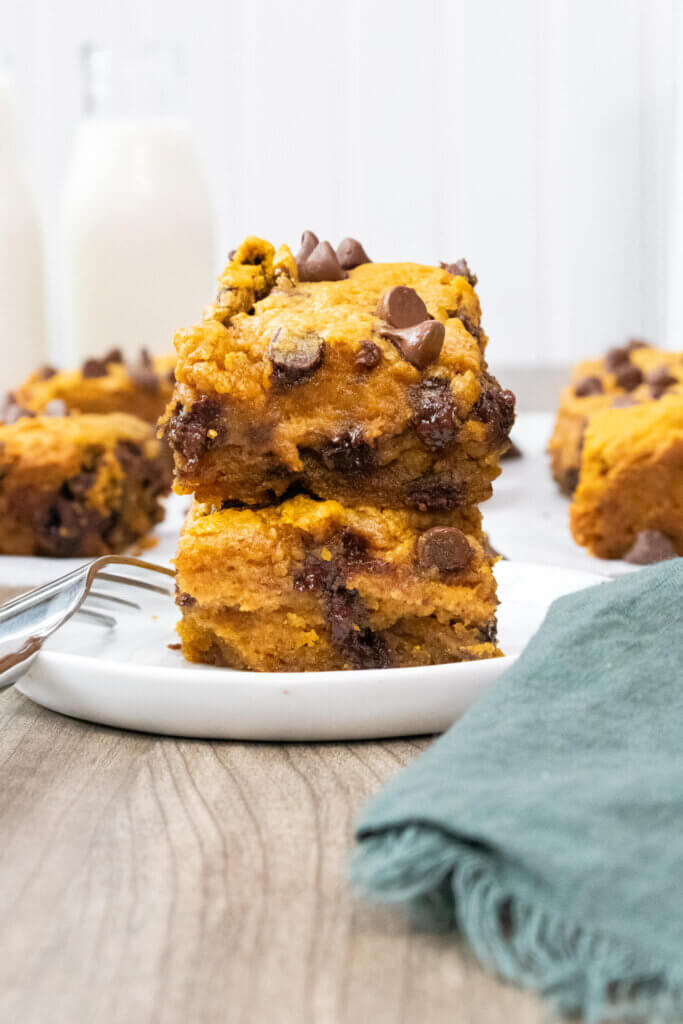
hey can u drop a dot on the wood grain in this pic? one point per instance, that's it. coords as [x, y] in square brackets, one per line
[167, 881]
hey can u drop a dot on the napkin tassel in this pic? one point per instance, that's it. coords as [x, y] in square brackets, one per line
[450, 884]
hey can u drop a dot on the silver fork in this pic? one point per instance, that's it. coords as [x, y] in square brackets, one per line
[28, 620]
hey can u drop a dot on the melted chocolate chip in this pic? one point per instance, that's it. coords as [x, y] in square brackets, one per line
[588, 386]
[295, 356]
[402, 307]
[351, 254]
[623, 402]
[153, 475]
[628, 376]
[184, 600]
[444, 548]
[437, 492]
[45, 372]
[636, 343]
[660, 380]
[650, 546]
[94, 368]
[616, 357]
[369, 356]
[469, 324]
[321, 265]
[435, 413]
[345, 614]
[188, 430]
[349, 454]
[231, 255]
[419, 345]
[495, 407]
[460, 269]
[64, 524]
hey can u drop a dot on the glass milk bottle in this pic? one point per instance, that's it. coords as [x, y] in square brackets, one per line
[137, 216]
[23, 344]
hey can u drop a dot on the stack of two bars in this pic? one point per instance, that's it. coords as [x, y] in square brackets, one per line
[336, 423]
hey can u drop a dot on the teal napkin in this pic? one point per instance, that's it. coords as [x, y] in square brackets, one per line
[547, 825]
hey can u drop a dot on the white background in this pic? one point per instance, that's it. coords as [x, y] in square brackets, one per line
[536, 137]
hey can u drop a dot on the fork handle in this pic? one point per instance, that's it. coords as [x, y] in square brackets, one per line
[14, 666]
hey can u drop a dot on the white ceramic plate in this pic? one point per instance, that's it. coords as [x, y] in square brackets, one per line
[128, 677]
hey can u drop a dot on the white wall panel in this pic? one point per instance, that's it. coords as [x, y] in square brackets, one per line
[535, 137]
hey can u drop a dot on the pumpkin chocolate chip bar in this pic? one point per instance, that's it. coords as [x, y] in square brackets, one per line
[627, 376]
[629, 500]
[316, 585]
[79, 485]
[361, 381]
[141, 387]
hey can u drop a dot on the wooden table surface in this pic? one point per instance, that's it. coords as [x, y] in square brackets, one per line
[148, 879]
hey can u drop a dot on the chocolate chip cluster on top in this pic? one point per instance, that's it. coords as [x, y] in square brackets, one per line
[350, 379]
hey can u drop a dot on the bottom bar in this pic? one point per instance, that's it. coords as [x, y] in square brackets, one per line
[315, 585]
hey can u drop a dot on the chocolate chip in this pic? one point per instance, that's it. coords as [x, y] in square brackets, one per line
[45, 372]
[175, 647]
[570, 480]
[588, 386]
[496, 408]
[143, 374]
[191, 432]
[491, 553]
[231, 255]
[402, 307]
[615, 357]
[512, 452]
[94, 368]
[444, 548]
[115, 355]
[460, 269]
[295, 356]
[660, 380]
[419, 345]
[636, 343]
[57, 407]
[489, 632]
[650, 546]
[309, 240]
[349, 453]
[469, 324]
[78, 486]
[623, 402]
[351, 254]
[435, 492]
[321, 265]
[184, 600]
[369, 356]
[628, 376]
[435, 413]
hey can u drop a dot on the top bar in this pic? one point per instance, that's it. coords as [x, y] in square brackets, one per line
[361, 381]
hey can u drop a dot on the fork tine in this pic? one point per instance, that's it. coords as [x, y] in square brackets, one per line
[99, 617]
[115, 600]
[113, 577]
